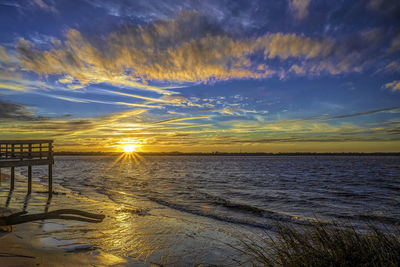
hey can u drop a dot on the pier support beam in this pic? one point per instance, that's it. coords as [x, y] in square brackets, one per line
[29, 179]
[12, 178]
[50, 180]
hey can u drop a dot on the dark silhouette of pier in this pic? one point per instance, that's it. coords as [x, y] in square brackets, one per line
[19, 153]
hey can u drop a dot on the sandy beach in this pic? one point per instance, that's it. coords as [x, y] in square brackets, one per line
[16, 249]
[142, 234]
[19, 245]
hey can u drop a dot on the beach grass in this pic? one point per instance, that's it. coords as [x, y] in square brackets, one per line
[324, 245]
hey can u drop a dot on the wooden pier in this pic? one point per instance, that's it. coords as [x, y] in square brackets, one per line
[18, 153]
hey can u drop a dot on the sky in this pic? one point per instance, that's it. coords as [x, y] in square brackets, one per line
[202, 76]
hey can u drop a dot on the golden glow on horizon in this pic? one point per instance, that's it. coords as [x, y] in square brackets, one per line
[129, 148]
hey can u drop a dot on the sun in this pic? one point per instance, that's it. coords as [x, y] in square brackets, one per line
[129, 148]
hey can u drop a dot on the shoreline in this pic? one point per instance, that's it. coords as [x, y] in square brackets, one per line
[141, 234]
[19, 245]
[17, 249]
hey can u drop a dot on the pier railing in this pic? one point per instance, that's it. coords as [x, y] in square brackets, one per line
[17, 153]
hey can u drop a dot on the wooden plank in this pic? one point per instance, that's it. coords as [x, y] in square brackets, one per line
[25, 141]
[17, 155]
[19, 163]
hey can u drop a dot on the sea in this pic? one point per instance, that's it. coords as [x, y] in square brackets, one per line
[188, 210]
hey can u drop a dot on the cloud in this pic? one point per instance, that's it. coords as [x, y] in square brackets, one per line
[61, 128]
[181, 119]
[390, 67]
[230, 111]
[385, 7]
[14, 81]
[299, 8]
[168, 100]
[395, 45]
[15, 112]
[394, 86]
[394, 109]
[15, 87]
[104, 132]
[3, 54]
[78, 60]
[168, 51]
[84, 100]
[43, 5]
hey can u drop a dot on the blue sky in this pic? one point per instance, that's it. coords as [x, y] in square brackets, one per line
[255, 76]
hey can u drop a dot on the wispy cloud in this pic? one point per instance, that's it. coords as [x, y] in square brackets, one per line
[394, 86]
[103, 132]
[299, 8]
[3, 54]
[85, 100]
[172, 100]
[42, 4]
[10, 86]
[394, 109]
[395, 45]
[14, 111]
[181, 119]
[11, 112]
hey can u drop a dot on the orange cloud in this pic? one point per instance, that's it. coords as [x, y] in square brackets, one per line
[164, 51]
[394, 86]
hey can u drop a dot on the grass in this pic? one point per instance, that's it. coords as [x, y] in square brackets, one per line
[325, 245]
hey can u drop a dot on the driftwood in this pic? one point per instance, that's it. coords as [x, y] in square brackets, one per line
[64, 214]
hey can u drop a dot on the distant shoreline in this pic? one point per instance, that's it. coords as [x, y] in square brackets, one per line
[66, 153]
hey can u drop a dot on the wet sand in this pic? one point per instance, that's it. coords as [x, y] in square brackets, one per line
[140, 234]
[19, 244]
[16, 249]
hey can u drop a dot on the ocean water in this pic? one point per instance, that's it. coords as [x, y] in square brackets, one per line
[255, 191]
[203, 202]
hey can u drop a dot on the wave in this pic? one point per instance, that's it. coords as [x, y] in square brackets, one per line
[235, 207]
[210, 215]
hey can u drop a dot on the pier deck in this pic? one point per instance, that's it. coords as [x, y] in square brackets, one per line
[18, 153]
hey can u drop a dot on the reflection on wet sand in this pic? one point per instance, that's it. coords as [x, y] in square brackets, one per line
[133, 231]
[9, 197]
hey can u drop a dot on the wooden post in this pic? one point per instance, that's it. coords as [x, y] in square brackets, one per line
[29, 179]
[50, 180]
[12, 178]
[50, 156]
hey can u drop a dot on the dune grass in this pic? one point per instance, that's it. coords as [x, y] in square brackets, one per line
[324, 245]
